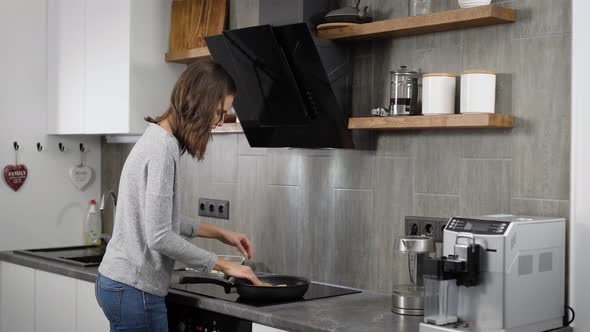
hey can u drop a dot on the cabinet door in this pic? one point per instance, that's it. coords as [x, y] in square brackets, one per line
[65, 61]
[107, 66]
[263, 328]
[17, 298]
[55, 302]
[89, 315]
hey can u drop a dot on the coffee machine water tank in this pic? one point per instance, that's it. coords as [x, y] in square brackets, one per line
[521, 277]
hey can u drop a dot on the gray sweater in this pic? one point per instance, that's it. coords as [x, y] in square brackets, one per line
[147, 230]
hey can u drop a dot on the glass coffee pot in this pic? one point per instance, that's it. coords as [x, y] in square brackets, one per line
[403, 92]
[408, 285]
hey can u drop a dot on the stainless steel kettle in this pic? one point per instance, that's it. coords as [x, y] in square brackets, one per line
[408, 287]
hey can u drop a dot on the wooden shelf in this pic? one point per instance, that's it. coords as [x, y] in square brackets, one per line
[396, 27]
[472, 120]
[421, 24]
[188, 56]
[228, 128]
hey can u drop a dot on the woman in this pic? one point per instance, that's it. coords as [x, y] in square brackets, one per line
[136, 269]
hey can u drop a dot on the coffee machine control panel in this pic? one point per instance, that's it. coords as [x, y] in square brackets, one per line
[477, 226]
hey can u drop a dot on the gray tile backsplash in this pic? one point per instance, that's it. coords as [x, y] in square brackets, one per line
[479, 48]
[542, 104]
[353, 234]
[283, 167]
[494, 177]
[353, 169]
[243, 13]
[224, 153]
[393, 187]
[332, 215]
[436, 205]
[316, 223]
[542, 17]
[437, 166]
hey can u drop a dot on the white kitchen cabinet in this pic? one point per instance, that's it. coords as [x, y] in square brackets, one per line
[89, 315]
[17, 298]
[263, 328]
[33, 300]
[55, 302]
[65, 54]
[106, 67]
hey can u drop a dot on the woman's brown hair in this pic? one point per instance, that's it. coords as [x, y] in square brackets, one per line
[193, 103]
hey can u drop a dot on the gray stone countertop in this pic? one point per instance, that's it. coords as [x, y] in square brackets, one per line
[366, 311]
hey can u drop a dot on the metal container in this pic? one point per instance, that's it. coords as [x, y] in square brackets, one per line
[408, 284]
[403, 92]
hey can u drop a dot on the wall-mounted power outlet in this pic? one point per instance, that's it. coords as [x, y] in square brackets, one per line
[213, 208]
[413, 225]
[429, 226]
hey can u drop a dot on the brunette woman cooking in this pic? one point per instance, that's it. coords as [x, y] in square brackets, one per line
[136, 269]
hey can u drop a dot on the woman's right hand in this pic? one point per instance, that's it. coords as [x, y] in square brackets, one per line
[236, 270]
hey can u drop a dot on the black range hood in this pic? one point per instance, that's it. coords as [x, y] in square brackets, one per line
[285, 98]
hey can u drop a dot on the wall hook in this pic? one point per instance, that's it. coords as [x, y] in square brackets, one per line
[82, 147]
[16, 146]
[39, 147]
[61, 147]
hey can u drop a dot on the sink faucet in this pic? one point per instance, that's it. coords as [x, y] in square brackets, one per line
[104, 198]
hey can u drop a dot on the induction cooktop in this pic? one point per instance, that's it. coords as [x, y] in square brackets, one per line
[315, 291]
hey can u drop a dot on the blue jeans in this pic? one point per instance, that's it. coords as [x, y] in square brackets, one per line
[130, 309]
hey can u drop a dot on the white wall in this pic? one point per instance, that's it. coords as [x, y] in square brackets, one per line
[47, 210]
[580, 164]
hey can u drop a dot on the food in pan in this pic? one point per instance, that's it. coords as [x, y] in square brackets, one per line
[267, 284]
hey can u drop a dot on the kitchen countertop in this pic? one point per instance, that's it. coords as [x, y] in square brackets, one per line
[366, 311]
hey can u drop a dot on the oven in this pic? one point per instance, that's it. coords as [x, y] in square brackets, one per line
[185, 318]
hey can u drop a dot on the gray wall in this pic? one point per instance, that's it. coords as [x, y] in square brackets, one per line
[332, 215]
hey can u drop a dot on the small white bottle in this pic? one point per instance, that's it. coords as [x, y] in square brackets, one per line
[92, 226]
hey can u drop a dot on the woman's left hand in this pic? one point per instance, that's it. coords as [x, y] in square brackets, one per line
[234, 239]
[238, 240]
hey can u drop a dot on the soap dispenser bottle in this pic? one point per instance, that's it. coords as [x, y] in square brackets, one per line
[92, 225]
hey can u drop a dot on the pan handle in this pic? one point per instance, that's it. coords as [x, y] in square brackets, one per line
[227, 285]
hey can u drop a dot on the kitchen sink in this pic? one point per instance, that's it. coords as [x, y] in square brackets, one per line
[88, 260]
[77, 255]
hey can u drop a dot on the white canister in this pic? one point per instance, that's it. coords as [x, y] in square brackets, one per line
[438, 93]
[473, 3]
[478, 91]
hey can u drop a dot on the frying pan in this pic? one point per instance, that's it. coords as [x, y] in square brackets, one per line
[295, 289]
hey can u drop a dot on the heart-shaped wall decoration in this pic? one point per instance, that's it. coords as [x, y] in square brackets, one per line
[15, 176]
[80, 176]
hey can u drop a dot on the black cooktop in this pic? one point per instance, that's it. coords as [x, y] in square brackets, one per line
[315, 291]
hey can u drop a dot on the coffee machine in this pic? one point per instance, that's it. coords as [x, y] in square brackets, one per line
[498, 273]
